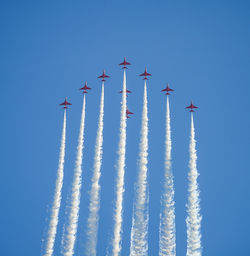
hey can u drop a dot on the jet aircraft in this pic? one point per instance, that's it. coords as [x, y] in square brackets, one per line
[167, 89]
[128, 113]
[103, 76]
[65, 103]
[124, 63]
[85, 88]
[145, 74]
[127, 91]
[191, 107]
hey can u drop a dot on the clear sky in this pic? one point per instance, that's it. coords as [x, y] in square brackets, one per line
[200, 47]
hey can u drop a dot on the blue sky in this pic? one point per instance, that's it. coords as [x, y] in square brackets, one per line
[200, 48]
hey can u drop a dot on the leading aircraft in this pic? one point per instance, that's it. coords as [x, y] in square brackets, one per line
[103, 76]
[145, 74]
[191, 107]
[65, 103]
[167, 89]
[124, 63]
[85, 88]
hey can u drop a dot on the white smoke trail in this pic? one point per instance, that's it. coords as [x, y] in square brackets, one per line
[76, 191]
[94, 205]
[139, 231]
[120, 174]
[167, 243]
[57, 196]
[193, 219]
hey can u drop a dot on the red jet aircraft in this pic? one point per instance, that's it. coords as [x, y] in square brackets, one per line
[145, 74]
[128, 113]
[191, 107]
[167, 89]
[85, 88]
[103, 76]
[65, 103]
[124, 63]
[127, 91]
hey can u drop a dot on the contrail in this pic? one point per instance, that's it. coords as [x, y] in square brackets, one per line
[93, 219]
[57, 196]
[76, 193]
[139, 231]
[167, 243]
[120, 174]
[193, 219]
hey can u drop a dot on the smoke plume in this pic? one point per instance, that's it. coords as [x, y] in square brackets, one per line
[167, 243]
[57, 196]
[193, 219]
[76, 191]
[94, 206]
[139, 231]
[120, 174]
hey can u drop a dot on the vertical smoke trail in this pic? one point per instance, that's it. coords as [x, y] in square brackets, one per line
[193, 219]
[76, 193]
[120, 174]
[167, 219]
[57, 196]
[94, 206]
[139, 231]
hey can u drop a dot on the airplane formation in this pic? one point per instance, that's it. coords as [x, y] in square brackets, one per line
[145, 75]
